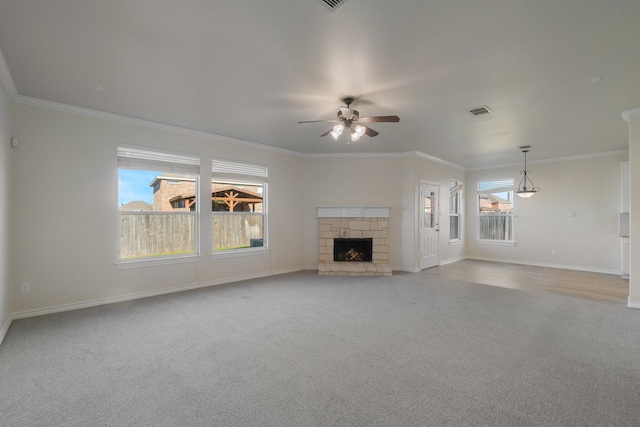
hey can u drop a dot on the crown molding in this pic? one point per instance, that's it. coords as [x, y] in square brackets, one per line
[6, 79]
[624, 151]
[438, 160]
[87, 112]
[627, 114]
[383, 155]
[353, 155]
[9, 85]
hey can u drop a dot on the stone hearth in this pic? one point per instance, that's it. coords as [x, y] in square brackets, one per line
[353, 222]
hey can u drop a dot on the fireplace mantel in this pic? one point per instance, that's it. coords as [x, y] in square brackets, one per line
[353, 212]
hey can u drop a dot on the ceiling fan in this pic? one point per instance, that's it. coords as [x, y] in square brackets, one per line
[350, 120]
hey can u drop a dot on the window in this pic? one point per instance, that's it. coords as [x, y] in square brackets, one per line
[455, 200]
[238, 205]
[495, 211]
[157, 202]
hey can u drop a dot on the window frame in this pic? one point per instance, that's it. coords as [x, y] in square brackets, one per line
[236, 172]
[133, 157]
[458, 190]
[506, 187]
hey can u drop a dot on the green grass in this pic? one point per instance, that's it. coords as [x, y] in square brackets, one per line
[226, 248]
[161, 254]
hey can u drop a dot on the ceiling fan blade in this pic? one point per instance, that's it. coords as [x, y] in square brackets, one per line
[370, 132]
[327, 132]
[319, 121]
[372, 119]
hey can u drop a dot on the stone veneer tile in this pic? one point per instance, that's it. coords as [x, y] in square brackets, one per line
[353, 228]
[360, 225]
[328, 234]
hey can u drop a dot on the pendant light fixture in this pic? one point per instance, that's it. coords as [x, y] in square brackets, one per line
[526, 188]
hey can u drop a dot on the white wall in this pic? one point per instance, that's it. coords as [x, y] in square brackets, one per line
[590, 187]
[64, 209]
[352, 181]
[382, 180]
[5, 163]
[65, 230]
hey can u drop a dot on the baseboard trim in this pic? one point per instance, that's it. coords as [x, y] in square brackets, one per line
[101, 301]
[407, 269]
[543, 264]
[235, 279]
[452, 260]
[130, 297]
[287, 271]
[5, 328]
[630, 304]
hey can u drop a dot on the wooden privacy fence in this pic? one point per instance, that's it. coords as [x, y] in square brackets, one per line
[156, 234]
[151, 234]
[236, 230]
[495, 227]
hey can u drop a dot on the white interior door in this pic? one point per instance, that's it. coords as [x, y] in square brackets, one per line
[428, 225]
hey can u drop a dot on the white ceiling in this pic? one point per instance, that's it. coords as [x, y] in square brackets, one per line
[251, 69]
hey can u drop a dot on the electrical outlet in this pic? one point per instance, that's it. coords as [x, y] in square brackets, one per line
[553, 252]
[25, 288]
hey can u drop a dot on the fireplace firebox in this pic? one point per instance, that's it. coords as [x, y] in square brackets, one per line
[352, 250]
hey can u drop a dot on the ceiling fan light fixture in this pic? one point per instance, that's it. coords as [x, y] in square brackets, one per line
[350, 120]
[337, 131]
[345, 113]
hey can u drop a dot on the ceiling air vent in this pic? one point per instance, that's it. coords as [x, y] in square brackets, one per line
[332, 4]
[479, 111]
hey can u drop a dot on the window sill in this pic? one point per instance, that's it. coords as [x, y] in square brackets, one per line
[150, 262]
[496, 242]
[234, 253]
[455, 242]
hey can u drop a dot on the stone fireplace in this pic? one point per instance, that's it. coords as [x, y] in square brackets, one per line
[353, 240]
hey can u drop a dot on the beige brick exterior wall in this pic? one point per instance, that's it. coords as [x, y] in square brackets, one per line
[169, 190]
[353, 228]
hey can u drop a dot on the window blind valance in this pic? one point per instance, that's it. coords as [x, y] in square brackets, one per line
[131, 157]
[233, 171]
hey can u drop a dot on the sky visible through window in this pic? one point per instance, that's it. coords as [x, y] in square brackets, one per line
[133, 185]
[497, 184]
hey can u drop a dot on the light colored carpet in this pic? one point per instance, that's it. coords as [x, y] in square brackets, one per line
[308, 350]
